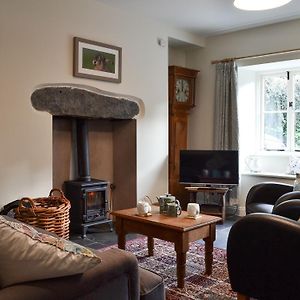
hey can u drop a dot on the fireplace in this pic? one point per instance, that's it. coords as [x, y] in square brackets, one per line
[108, 148]
[88, 196]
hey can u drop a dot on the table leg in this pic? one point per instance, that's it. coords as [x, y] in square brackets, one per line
[209, 247]
[223, 207]
[150, 246]
[121, 241]
[181, 261]
[121, 234]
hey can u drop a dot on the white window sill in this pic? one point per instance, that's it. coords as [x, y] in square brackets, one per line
[270, 175]
[278, 153]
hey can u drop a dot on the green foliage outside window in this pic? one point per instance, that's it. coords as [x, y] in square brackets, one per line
[280, 107]
[275, 106]
[275, 92]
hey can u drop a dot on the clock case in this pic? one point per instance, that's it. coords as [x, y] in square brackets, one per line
[178, 128]
[189, 75]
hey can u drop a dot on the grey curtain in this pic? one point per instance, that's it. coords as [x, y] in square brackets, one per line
[226, 115]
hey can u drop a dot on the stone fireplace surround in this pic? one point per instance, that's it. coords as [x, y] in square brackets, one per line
[112, 135]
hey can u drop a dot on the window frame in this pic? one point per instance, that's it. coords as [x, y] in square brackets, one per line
[291, 112]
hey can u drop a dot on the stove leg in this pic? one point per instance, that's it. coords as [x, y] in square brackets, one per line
[84, 230]
[111, 226]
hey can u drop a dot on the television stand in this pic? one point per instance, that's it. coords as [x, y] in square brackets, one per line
[207, 208]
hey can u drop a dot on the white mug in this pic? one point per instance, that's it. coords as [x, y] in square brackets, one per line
[193, 209]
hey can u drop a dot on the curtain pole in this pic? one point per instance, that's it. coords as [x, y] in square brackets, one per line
[255, 55]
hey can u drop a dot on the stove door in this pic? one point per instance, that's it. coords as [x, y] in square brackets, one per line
[96, 205]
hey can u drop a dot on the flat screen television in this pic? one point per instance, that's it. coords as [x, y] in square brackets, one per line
[209, 167]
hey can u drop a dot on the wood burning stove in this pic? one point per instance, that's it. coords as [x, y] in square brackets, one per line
[89, 204]
[88, 196]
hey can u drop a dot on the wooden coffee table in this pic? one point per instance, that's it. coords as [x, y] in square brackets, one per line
[179, 230]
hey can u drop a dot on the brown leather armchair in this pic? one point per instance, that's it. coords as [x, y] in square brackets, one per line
[263, 196]
[262, 254]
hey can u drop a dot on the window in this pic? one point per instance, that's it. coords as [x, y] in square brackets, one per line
[279, 111]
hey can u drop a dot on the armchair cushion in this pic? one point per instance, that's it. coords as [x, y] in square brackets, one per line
[259, 207]
[27, 254]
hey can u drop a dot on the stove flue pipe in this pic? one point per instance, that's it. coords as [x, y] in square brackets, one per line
[83, 150]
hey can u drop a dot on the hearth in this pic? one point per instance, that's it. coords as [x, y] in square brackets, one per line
[88, 196]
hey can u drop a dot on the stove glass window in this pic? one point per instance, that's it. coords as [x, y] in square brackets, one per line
[95, 200]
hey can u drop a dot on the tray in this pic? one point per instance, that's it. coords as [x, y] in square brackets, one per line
[194, 218]
[144, 215]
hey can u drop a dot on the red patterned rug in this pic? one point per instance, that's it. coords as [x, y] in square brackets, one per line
[198, 285]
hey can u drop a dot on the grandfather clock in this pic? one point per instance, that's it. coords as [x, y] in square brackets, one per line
[181, 100]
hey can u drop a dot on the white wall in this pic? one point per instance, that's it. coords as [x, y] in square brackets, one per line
[177, 57]
[36, 39]
[261, 40]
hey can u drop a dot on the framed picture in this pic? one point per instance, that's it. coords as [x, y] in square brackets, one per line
[96, 60]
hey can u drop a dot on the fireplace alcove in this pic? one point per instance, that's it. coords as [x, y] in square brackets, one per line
[111, 140]
[112, 153]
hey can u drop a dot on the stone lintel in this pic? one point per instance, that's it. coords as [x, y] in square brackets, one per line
[70, 100]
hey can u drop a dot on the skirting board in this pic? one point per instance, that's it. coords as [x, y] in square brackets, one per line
[241, 211]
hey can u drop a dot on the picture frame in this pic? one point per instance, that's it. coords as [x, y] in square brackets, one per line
[97, 60]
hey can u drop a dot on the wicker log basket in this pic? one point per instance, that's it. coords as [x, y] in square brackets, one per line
[49, 213]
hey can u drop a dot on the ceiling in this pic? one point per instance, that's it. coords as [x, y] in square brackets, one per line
[206, 17]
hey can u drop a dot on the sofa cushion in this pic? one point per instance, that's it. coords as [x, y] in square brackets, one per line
[151, 285]
[27, 254]
[260, 207]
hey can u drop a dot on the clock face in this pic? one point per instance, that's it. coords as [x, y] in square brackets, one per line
[182, 91]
